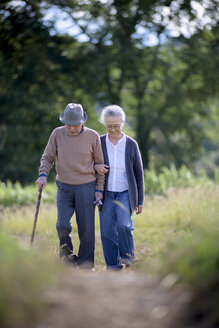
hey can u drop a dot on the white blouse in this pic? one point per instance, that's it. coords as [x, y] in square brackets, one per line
[117, 181]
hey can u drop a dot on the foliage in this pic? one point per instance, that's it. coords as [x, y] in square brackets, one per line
[24, 276]
[161, 87]
[178, 239]
[37, 81]
[155, 183]
[180, 212]
[186, 246]
[195, 260]
[176, 236]
[203, 259]
[15, 194]
[209, 161]
[160, 183]
[166, 87]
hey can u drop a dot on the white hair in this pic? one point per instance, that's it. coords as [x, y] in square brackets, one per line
[112, 110]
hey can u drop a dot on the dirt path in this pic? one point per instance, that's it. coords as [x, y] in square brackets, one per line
[115, 300]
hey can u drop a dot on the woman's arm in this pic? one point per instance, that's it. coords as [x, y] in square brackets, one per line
[139, 175]
[101, 168]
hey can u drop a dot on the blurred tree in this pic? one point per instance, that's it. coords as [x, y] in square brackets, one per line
[37, 80]
[123, 52]
[166, 87]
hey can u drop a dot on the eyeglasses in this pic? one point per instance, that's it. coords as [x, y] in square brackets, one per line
[115, 127]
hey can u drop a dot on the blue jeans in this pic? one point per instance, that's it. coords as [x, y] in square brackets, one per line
[116, 227]
[78, 199]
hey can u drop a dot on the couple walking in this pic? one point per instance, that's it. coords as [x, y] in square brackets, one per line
[106, 171]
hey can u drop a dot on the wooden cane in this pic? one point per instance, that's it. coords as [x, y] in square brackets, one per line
[36, 215]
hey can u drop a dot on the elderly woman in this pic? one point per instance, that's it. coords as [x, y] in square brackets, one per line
[123, 192]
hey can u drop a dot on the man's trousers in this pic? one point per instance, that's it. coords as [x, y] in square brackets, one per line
[78, 199]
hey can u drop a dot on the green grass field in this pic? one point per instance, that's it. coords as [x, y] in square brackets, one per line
[177, 232]
[180, 213]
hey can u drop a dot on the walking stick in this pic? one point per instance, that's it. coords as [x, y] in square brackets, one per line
[36, 215]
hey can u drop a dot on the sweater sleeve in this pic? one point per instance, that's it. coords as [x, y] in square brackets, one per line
[98, 159]
[49, 155]
[139, 174]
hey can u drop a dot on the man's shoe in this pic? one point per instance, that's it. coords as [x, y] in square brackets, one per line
[64, 251]
[129, 260]
[71, 259]
[67, 256]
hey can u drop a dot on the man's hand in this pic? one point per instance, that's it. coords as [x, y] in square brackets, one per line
[139, 209]
[98, 198]
[41, 182]
[101, 168]
[98, 195]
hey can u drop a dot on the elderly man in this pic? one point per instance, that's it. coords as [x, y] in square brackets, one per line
[76, 149]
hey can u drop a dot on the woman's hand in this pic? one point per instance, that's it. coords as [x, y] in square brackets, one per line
[139, 209]
[101, 168]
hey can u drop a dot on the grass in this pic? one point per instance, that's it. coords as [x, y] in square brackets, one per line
[176, 233]
[19, 223]
[164, 218]
[155, 183]
[24, 276]
[179, 214]
[12, 195]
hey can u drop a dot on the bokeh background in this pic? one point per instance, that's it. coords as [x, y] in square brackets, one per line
[157, 59]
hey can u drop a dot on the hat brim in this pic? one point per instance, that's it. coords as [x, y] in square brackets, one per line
[83, 120]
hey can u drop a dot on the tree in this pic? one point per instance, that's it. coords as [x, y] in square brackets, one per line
[37, 81]
[152, 82]
[164, 87]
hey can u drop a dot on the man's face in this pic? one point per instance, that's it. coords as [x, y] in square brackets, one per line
[73, 130]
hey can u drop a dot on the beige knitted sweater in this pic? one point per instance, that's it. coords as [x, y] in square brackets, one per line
[74, 155]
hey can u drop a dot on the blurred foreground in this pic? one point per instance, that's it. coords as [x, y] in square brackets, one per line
[173, 284]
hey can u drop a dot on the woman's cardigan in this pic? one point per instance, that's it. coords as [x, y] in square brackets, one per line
[134, 172]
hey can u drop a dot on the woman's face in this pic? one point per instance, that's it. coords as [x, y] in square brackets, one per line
[114, 125]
